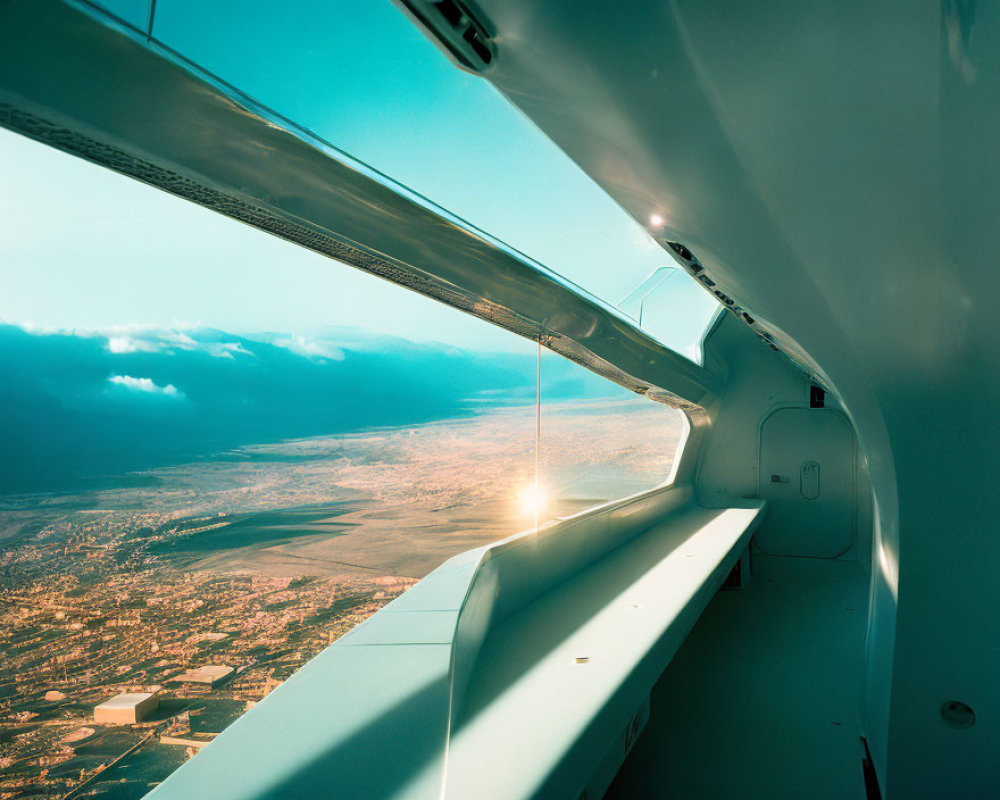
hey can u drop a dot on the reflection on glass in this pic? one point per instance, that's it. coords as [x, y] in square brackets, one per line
[635, 304]
[665, 295]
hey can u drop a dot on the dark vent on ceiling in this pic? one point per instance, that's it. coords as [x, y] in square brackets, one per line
[458, 28]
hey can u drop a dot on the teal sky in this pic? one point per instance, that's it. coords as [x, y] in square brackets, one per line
[84, 248]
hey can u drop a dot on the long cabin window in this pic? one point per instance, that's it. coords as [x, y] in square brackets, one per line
[222, 451]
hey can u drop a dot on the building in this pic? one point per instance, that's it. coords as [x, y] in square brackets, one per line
[126, 709]
[209, 675]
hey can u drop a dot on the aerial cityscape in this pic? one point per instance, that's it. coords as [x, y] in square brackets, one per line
[137, 622]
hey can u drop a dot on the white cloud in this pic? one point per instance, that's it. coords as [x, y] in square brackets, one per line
[127, 344]
[146, 385]
[144, 339]
[137, 338]
[153, 339]
[311, 348]
[225, 349]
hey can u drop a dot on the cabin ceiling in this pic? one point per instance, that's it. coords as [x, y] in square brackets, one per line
[759, 139]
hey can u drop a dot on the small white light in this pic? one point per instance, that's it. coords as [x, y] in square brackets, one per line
[656, 221]
[533, 499]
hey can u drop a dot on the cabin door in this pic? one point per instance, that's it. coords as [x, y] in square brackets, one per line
[806, 471]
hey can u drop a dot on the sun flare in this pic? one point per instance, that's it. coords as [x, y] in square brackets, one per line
[533, 499]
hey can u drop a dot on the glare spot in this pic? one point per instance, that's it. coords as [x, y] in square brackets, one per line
[656, 221]
[533, 499]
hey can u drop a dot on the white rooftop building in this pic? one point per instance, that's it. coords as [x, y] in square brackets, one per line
[127, 708]
[210, 674]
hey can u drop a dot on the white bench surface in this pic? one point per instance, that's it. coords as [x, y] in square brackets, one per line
[530, 697]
